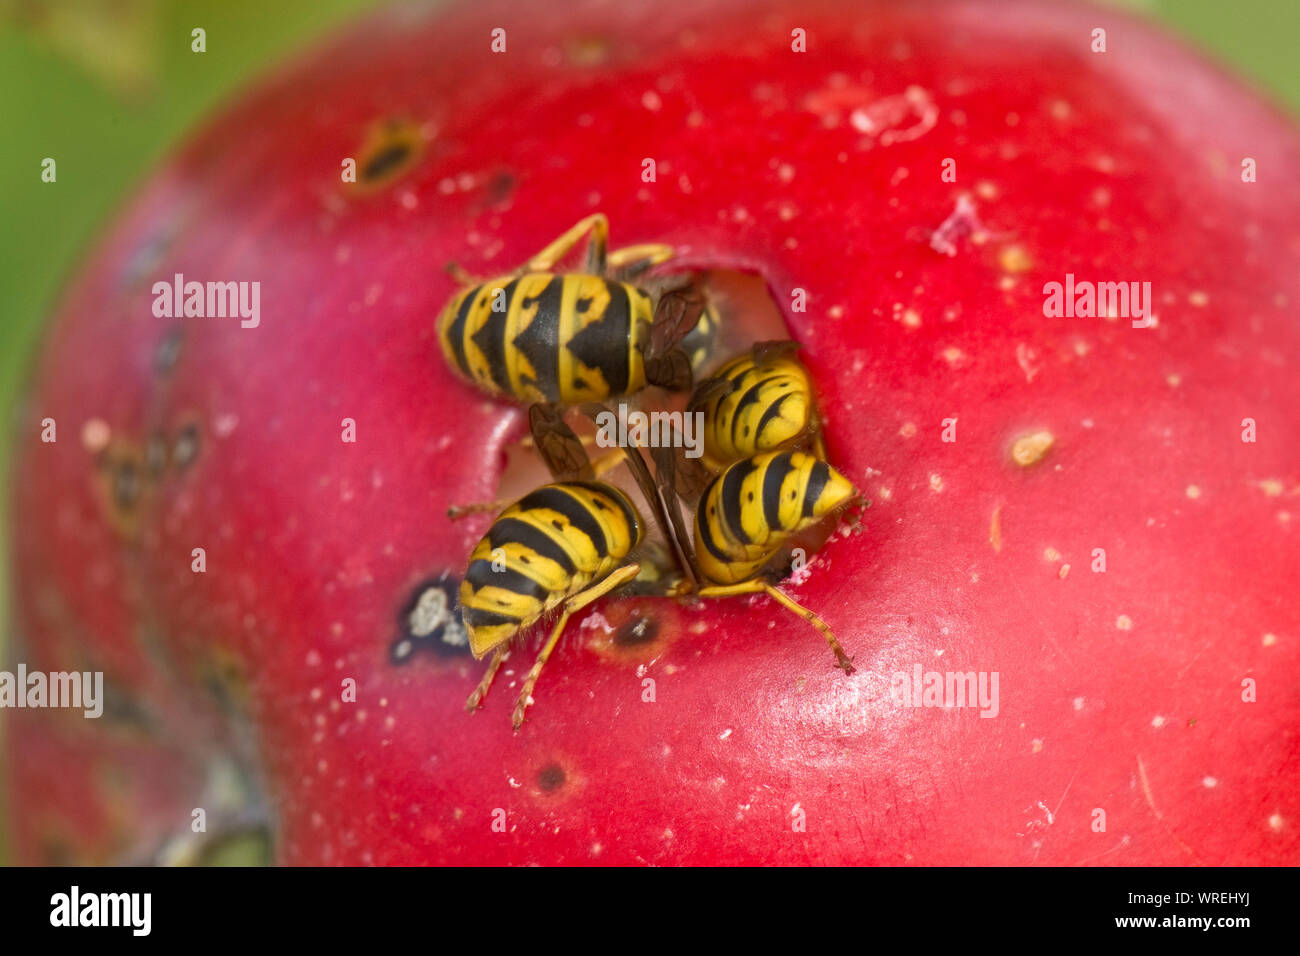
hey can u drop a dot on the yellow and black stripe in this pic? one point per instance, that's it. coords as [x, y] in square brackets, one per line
[550, 337]
[768, 406]
[753, 507]
[548, 546]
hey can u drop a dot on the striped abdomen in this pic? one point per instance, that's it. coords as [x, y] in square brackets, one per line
[549, 337]
[753, 507]
[542, 549]
[768, 406]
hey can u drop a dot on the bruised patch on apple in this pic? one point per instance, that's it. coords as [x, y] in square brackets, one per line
[430, 620]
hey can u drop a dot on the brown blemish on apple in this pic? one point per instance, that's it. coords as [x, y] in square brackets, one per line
[122, 486]
[641, 629]
[551, 778]
[635, 630]
[390, 150]
[225, 675]
[1029, 449]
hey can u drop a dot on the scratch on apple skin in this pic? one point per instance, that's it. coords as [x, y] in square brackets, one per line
[1160, 817]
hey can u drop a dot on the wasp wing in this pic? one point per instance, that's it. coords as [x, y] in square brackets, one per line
[559, 447]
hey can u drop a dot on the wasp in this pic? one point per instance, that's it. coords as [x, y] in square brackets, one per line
[563, 546]
[748, 515]
[537, 335]
[762, 400]
[572, 541]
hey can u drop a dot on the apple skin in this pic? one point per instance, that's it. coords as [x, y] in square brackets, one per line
[1119, 692]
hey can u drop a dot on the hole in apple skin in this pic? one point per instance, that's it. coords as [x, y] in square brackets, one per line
[551, 778]
[635, 631]
[747, 312]
[391, 149]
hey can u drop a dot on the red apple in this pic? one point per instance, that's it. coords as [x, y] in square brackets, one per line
[1146, 713]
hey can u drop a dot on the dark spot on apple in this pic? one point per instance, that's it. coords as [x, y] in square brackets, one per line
[186, 448]
[430, 621]
[126, 484]
[500, 187]
[168, 351]
[144, 261]
[385, 161]
[122, 709]
[551, 778]
[640, 629]
[390, 150]
[226, 679]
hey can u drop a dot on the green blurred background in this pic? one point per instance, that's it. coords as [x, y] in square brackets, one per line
[106, 87]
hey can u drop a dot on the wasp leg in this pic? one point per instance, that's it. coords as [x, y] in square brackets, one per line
[597, 225]
[607, 462]
[631, 261]
[475, 699]
[456, 512]
[575, 603]
[459, 275]
[528, 442]
[563, 452]
[762, 587]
